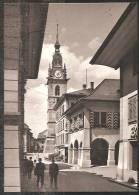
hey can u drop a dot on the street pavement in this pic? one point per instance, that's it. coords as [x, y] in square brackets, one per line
[75, 181]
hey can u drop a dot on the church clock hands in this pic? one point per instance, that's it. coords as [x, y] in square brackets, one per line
[58, 74]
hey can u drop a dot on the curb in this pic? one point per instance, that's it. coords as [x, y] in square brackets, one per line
[123, 184]
[112, 180]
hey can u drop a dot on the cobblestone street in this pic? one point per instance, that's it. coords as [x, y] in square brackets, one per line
[75, 181]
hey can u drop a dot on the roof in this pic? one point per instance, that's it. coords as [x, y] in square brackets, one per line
[119, 41]
[79, 93]
[107, 90]
[42, 134]
[34, 22]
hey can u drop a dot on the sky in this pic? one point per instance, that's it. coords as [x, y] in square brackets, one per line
[82, 30]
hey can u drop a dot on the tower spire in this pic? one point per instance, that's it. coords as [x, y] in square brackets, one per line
[57, 34]
[57, 44]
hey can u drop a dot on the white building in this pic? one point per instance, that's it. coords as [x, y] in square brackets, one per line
[120, 50]
[62, 124]
[94, 126]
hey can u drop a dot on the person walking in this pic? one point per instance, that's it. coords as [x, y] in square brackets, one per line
[29, 167]
[53, 173]
[39, 172]
[34, 164]
[25, 164]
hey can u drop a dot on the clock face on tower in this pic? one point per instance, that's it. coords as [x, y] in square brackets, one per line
[58, 74]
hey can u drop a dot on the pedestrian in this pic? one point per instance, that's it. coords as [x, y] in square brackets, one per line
[30, 167]
[34, 164]
[25, 164]
[53, 173]
[39, 172]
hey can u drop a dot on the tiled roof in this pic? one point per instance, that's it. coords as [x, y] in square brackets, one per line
[80, 92]
[108, 89]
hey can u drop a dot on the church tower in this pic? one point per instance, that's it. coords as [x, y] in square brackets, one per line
[57, 85]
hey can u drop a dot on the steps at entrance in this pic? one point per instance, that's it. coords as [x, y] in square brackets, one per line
[105, 171]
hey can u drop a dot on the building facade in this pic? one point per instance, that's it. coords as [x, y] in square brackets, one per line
[41, 140]
[24, 25]
[94, 126]
[125, 35]
[62, 124]
[57, 85]
[28, 140]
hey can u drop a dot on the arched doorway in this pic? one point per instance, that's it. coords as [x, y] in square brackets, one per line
[116, 154]
[76, 147]
[99, 152]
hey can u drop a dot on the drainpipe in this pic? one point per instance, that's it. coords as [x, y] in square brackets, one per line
[90, 132]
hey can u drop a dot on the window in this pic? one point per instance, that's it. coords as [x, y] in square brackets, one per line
[100, 119]
[57, 90]
[81, 120]
[71, 125]
[63, 139]
[96, 119]
[62, 109]
[103, 119]
[66, 138]
[132, 109]
[63, 124]
[75, 124]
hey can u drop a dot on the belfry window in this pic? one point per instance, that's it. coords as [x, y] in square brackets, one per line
[57, 90]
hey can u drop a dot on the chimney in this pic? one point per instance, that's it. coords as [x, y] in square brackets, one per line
[84, 86]
[92, 85]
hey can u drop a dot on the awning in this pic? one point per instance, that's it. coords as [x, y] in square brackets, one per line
[120, 40]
